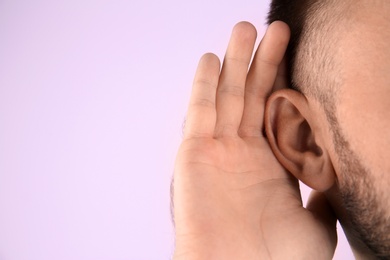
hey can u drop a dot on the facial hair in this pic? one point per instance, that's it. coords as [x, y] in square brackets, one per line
[364, 204]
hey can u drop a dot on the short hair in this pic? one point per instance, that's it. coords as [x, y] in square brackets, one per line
[317, 27]
[313, 48]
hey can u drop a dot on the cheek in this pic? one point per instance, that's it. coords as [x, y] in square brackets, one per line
[364, 118]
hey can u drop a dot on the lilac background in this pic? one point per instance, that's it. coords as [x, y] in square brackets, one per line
[92, 99]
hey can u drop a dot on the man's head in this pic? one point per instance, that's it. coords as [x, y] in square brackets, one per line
[335, 135]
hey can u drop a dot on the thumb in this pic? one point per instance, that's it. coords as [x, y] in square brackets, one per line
[319, 206]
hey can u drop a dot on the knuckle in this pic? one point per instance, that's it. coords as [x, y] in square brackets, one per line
[269, 61]
[243, 61]
[206, 83]
[233, 90]
[226, 130]
[249, 130]
[203, 102]
[251, 90]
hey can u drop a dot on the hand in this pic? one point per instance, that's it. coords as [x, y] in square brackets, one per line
[232, 198]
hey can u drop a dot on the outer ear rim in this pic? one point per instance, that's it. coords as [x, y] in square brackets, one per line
[285, 93]
[326, 167]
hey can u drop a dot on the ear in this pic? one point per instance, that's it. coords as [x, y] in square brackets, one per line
[296, 139]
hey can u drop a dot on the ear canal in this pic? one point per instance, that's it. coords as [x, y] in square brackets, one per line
[306, 140]
[289, 128]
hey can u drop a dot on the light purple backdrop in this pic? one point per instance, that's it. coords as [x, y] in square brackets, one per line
[92, 99]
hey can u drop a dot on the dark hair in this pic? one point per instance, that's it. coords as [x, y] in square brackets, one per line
[315, 34]
[316, 29]
[294, 13]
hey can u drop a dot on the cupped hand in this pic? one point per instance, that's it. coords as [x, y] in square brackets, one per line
[232, 198]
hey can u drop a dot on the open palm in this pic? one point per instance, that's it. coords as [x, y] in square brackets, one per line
[233, 199]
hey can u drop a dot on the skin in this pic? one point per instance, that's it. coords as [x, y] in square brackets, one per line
[347, 160]
[233, 199]
[363, 113]
[235, 191]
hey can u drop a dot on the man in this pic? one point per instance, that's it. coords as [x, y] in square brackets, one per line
[236, 192]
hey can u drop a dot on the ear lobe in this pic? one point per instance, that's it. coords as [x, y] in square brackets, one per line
[295, 139]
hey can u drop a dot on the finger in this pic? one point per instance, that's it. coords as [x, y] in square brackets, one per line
[282, 77]
[261, 77]
[201, 115]
[318, 205]
[230, 94]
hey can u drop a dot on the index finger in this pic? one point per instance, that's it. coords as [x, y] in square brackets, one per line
[262, 77]
[282, 77]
